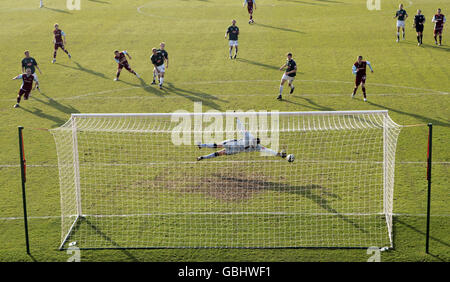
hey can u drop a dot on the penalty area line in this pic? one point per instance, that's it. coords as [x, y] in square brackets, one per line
[424, 90]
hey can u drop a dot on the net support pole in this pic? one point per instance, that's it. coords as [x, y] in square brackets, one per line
[386, 206]
[76, 165]
[429, 154]
[23, 176]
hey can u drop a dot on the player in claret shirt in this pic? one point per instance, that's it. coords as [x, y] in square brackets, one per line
[439, 21]
[401, 16]
[121, 60]
[419, 20]
[233, 33]
[60, 41]
[251, 4]
[359, 69]
[27, 85]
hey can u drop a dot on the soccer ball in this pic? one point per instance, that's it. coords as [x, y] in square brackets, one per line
[290, 158]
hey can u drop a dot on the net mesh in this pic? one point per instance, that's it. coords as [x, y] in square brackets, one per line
[127, 182]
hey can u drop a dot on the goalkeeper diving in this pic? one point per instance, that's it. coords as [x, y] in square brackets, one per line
[246, 144]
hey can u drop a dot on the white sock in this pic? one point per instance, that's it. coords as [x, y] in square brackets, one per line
[281, 89]
[161, 80]
[231, 51]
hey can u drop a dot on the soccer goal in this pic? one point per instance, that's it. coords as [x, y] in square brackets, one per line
[136, 180]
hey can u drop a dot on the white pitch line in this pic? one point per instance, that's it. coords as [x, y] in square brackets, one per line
[425, 91]
[172, 96]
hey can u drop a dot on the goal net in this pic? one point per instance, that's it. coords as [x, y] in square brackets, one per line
[135, 181]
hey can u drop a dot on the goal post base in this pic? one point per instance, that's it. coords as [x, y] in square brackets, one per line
[72, 229]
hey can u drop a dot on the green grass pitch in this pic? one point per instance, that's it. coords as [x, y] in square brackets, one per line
[325, 37]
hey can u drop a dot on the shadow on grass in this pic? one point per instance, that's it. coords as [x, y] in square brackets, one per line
[152, 89]
[32, 257]
[306, 3]
[98, 1]
[257, 64]
[313, 192]
[54, 104]
[107, 238]
[397, 220]
[314, 2]
[313, 105]
[39, 113]
[57, 10]
[430, 46]
[206, 99]
[330, 1]
[420, 117]
[83, 69]
[278, 28]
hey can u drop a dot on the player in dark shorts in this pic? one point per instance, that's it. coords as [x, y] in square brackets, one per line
[30, 62]
[121, 60]
[157, 59]
[419, 20]
[27, 85]
[161, 49]
[401, 16]
[233, 33]
[359, 69]
[60, 41]
[251, 4]
[439, 21]
[288, 75]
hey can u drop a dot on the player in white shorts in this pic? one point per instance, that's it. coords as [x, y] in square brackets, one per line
[244, 145]
[290, 71]
[401, 16]
[233, 33]
[157, 60]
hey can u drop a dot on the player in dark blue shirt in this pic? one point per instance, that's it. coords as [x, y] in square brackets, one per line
[288, 75]
[401, 16]
[233, 33]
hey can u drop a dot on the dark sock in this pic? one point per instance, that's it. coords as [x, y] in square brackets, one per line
[435, 38]
[54, 55]
[440, 38]
[421, 38]
[118, 74]
[418, 38]
[354, 90]
[364, 91]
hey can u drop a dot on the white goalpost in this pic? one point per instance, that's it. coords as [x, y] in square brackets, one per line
[136, 180]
